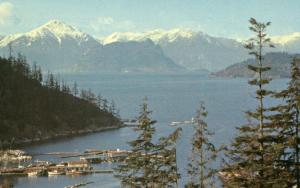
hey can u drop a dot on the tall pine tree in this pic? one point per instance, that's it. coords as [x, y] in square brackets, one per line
[138, 168]
[150, 164]
[287, 117]
[203, 153]
[167, 174]
[255, 152]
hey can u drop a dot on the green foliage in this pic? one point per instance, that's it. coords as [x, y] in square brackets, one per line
[30, 109]
[150, 164]
[254, 156]
[286, 117]
[203, 154]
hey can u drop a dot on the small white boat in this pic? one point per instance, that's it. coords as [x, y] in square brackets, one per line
[131, 124]
[55, 173]
[174, 123]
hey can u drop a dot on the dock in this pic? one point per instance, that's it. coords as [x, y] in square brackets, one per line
[74, 167]
[80, 167]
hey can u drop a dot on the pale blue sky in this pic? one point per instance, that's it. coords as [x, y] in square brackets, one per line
[225, 18]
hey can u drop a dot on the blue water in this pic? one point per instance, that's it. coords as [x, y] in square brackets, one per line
[171, 98]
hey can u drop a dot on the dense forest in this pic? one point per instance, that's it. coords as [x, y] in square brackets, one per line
[32, 108]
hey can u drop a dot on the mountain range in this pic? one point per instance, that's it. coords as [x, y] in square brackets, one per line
[59, 47]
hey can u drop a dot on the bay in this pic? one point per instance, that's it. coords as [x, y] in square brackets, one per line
[171, 97]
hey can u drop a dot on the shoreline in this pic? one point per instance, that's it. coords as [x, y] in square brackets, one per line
[66, 134]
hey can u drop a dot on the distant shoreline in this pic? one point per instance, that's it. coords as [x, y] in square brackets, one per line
[69, 134]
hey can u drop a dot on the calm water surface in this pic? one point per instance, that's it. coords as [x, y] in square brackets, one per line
[171, 97]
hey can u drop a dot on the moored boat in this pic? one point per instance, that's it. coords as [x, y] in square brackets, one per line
[75, 172]
[55, 173]
[35, 173]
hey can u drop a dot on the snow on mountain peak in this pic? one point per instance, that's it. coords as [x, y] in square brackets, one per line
[285, 39]
[155, 35]
[57, 29]
[53, 28]
[62, 29]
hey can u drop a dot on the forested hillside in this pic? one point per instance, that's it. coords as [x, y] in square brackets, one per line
[278, 61]
[33, 109]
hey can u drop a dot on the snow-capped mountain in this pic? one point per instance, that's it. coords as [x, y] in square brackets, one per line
[202, 51]
[60, 47]
[286, 39]
[57, 46]
[155, 35]
[54, 29]
[133, 56]
[193, 50]
[288, 43]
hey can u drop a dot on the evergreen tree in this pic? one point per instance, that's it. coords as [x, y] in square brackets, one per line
[39, 75]
[104, 105]
[64, 88]
[50, 82]
[293, 101]
[203, 153]
[112, 107]
[150, 164]
[75, 89]
[167, 174]
[99, 101]
[255, 152]
[21, 65]
[138, 169]
[91, 96]
[34, 71]
[83, 94]
[287, 117]
[56, 84]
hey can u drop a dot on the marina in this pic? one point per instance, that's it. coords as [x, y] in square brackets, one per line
[82, 166]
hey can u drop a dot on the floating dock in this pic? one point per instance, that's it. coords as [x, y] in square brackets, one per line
[83, 166]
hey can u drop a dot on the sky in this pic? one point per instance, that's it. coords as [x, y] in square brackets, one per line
[222, 18]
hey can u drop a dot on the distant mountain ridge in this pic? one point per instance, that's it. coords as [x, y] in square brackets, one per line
[59, 47]
[193, 50]
[278, 61]
[54, 45]
[154, 35]
[132, 56]
[54, 28]
[196, 50]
